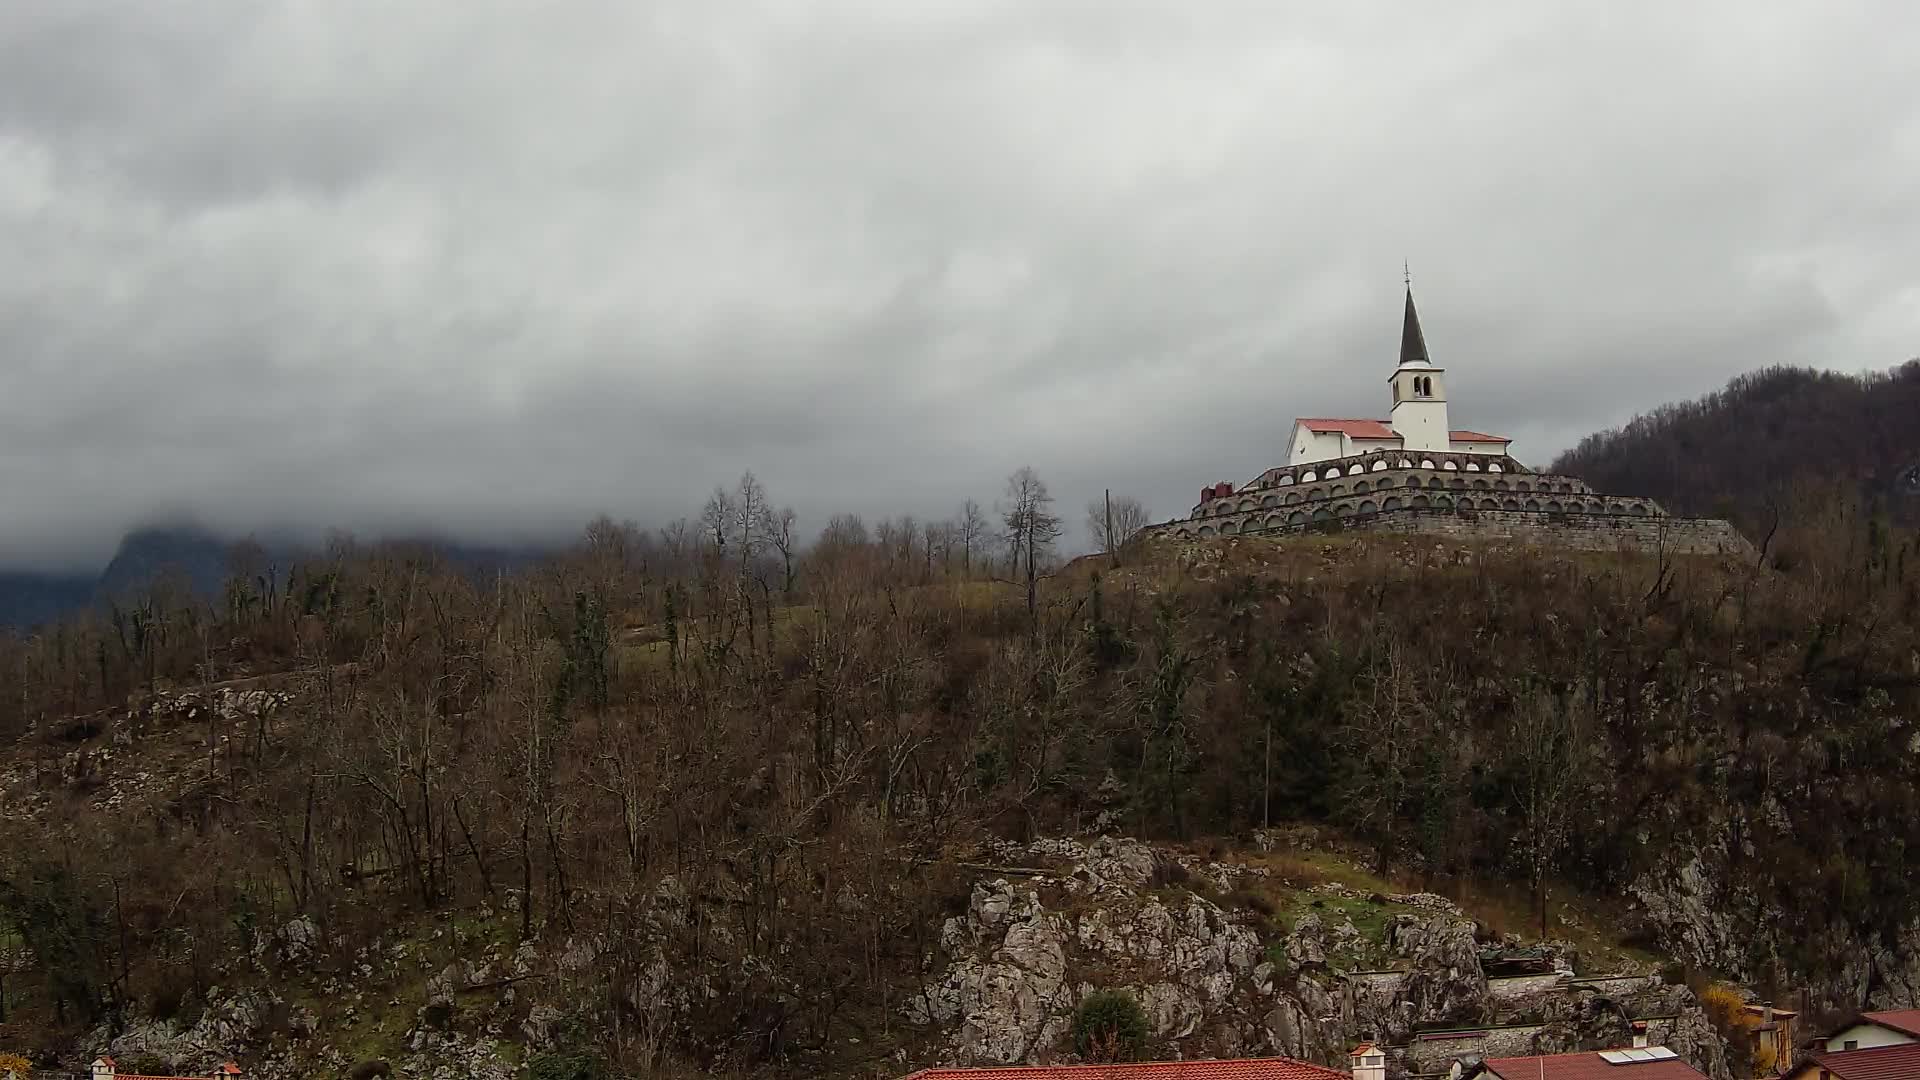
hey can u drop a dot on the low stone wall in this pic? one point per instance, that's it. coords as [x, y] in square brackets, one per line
[1512, 987]
[1433, 1053]
[1546, 528]
[1584, 532]
[1622, 985]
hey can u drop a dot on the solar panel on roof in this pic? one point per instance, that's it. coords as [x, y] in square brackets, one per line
[1636, 1055]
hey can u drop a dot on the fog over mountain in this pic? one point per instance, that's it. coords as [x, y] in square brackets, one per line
[488, 268]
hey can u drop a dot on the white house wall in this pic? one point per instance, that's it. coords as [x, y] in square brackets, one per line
[1868, 1036]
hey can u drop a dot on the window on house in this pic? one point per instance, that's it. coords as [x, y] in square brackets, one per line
[1852, 1044]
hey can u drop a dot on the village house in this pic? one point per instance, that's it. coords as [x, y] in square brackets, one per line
[104, 1068]
[1871, 1029]
[1636, 1063]
[1773, 1028]
[1900, 1062]
[1369, 1063]
[1872, 1046]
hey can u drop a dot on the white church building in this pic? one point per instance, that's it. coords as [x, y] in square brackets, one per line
[1415, 472]
[1418, 420]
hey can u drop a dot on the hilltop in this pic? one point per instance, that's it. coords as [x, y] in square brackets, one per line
[680, 811]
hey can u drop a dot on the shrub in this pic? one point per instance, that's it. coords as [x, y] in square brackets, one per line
[147, 1065]
[1277, 956]
[1254, 900]
[1109, 1026]
[560, 1065]
[1726, 1011]
[15, 1064]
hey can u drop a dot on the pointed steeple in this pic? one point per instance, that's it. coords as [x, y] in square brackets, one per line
[1413, 343]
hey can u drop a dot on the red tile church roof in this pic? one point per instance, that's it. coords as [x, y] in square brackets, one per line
[1379, 429]
[1359, 429]
[1236, 1069]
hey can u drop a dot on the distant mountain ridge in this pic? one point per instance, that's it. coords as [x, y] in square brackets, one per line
[145, 554]
[200, 558]
[1739, 451]
[28, 598]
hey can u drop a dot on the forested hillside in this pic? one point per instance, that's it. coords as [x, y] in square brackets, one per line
[1770, 438]
[704, 801]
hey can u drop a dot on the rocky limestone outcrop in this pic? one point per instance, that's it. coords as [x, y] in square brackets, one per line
[230, 1023]
[1120, 915]
[1705, 912]
[1445, 983]
[1004, 998]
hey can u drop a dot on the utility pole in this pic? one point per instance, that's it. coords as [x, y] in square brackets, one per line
[1113, 549]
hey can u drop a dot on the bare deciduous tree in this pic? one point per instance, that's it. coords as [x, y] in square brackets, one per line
[777, 526]
[748, 513]
[1548, 744]
[716, 520]
[970, 531]
[1031, 528]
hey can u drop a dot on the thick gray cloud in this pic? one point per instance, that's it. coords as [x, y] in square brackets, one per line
[496, 266]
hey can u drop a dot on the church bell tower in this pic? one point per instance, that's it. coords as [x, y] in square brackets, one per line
[1419, 390]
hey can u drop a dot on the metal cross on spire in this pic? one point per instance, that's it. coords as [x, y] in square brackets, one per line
[1406, 269]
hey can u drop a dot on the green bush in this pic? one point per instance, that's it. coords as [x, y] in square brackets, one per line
[565, 1066]
[1109, 1026]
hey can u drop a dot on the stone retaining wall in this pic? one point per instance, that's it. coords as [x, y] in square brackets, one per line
[1547, 528]
[1585, 532]
[1432, 1053]
[1511, 987]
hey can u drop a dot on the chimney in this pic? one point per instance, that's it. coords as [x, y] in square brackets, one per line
[1369, 1062]
[103, 1068]
[1639, 1034]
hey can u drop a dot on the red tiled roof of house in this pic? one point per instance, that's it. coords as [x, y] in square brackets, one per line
[1880, 1063]
[1907, 1020]
[1589, 1066]
[1464, 435]
[1233, 1069]
[229, 1069]
[1359, 429]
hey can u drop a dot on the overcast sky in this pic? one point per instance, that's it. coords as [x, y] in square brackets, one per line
[494, 267]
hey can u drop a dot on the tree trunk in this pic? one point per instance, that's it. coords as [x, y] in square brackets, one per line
[473, 849]
[526, 880]
[1033, 611]
[306, 851]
